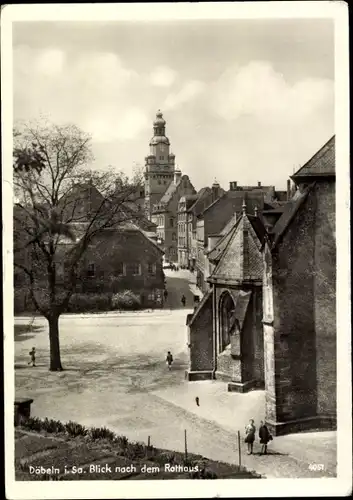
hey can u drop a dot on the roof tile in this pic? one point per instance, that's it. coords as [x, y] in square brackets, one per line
[321, 164]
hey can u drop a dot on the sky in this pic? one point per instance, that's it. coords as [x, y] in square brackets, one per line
[244, 100]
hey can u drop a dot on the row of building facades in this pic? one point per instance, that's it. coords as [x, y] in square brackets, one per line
[265, 263]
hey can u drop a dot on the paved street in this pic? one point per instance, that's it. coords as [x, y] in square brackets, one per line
[115, 375]
[180, 283]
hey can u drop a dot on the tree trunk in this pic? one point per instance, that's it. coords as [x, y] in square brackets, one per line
[55, 361]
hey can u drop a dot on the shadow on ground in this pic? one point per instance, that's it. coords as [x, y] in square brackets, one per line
[23, 332]
[270, 453]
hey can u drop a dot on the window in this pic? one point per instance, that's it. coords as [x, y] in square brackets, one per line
[134, 268]
[161, 157]
[120, 269]
[151, 268]
[91, 272]
[173, 237]
[171, 222]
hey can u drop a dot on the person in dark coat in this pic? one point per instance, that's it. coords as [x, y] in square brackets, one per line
[169, 360]
[265, 437]
[250, 430]
[183, 300]
[165, 294]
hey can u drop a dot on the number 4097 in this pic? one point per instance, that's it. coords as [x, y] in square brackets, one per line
[316, 467]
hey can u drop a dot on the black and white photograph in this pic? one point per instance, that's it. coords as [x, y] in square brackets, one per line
[176, 250]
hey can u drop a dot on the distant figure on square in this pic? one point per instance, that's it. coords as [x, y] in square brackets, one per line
[165, 295]
[183, 300]
[197, 401]
[265, 437]
[169, 360]
[250, 430]
[32, 354]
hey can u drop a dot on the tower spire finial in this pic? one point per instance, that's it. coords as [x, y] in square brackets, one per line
[244, 207]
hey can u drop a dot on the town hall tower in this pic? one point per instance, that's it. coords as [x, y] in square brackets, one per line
[160, 165]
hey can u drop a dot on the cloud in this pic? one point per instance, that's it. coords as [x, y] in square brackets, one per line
[50, 62]
[162, 76]
[257, 90]
[101, 70]
[105, 127]
[189, 91]
[95, 90]
[250, 124]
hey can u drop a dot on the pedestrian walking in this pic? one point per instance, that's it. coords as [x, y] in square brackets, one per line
[183, 300]
[265, 437]
[197, 401]
[165, 294]
[32, 354]
[169, 360]
[250, 430]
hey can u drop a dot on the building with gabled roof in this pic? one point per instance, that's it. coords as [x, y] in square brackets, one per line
[268, 319]
[165, 216]
[225, 331]
[124, 255]
[228, 207]
[189, 207]
[300, 302]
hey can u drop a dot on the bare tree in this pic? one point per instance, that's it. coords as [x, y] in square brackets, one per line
[62, 207]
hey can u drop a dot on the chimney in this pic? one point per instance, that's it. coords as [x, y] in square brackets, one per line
[213, 239]
[215, 190]
[233, 185]
[259, 184]
[177, 175]
[288, 189]
[244, 207]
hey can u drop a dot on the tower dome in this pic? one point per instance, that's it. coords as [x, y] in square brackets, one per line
[159, 121]
[159, 136]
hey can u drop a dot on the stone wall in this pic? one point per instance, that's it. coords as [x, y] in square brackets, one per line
[201, 337]
[258, 336]
[251, 367]
[294, 326]
[325, 297]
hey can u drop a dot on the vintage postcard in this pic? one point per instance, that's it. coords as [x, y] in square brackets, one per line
[176, 221]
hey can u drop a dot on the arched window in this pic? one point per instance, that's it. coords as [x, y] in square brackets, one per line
[226, 319]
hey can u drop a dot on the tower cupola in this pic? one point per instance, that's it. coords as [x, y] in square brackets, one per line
[159, 136]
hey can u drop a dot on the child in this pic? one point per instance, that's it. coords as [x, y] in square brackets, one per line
[169, 360]
[265, 437]
[32, 353]
[250, 430]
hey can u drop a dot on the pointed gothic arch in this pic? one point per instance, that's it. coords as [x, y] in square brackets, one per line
[227, 322]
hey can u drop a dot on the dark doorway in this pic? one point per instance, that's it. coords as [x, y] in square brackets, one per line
[226, 312]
